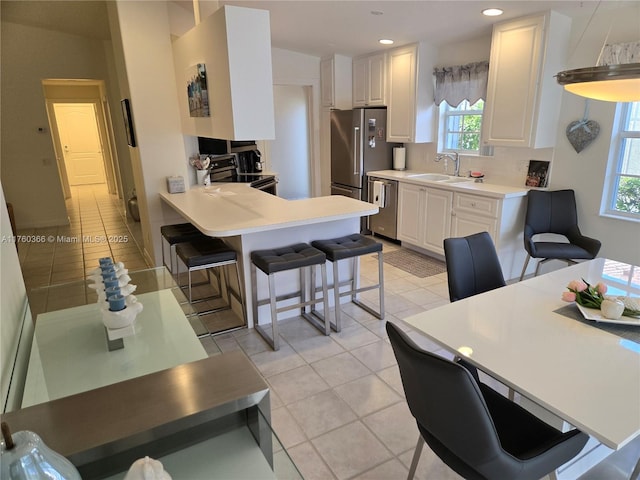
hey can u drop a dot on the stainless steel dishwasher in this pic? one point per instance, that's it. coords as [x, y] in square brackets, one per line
[385, 222]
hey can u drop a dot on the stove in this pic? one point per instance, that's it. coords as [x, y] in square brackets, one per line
[224, 168]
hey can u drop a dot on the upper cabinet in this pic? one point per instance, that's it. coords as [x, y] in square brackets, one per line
[411, 109]
[335, 82]
[523, 98]
[369, 80]
[234, 44]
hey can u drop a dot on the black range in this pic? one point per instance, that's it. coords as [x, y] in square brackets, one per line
[224, 168]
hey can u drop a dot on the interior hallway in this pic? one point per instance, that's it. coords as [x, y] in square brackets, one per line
[97, 229]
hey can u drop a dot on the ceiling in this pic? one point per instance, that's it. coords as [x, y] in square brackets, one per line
[322, 27]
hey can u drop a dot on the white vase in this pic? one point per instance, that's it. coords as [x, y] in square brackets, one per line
[200, 176]
[612, 308]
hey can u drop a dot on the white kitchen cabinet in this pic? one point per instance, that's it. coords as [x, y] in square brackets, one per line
[473, 214]
[424, 216]
[335, 82]
[233, 43]
[428, 215]
[523, 98]
[410, 206]
[411, 109]
[369, 80]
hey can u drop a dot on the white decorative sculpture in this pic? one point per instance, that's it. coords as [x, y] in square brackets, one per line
[147, 469]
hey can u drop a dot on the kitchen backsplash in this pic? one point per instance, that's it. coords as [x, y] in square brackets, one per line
[507, 166]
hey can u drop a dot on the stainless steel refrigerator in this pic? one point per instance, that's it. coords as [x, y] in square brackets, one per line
[358, 146]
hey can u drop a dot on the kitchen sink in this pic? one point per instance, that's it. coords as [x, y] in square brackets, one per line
[456, 180]
[433, 177]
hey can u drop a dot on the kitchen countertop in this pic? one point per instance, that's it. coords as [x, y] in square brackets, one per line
[224, 210]
[484, 189]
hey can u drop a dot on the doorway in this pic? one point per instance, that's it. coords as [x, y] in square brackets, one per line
[82, 152]
[290, 152]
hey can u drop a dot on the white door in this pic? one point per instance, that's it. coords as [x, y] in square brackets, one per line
[289, 153]
[80, 140]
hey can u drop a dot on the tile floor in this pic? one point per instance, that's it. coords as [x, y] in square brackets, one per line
[337, 402]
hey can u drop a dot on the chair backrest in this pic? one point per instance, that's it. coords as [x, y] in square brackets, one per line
[550, 212]
[472, 266]
[445, 401]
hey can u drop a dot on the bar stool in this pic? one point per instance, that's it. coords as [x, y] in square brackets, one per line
[174, 234]
[276, 260]
[352, 246]
[204, 254]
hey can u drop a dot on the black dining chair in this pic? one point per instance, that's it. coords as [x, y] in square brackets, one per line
[555, 212]
[477, 432]
[472, 266]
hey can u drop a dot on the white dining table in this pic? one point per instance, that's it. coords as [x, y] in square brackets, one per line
[525, 336]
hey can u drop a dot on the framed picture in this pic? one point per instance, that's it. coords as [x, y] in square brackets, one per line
[197, 91]
[128, 122]
[538, 174]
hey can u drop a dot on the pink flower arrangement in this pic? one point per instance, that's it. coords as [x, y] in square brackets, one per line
[584, 294]
[592, 296]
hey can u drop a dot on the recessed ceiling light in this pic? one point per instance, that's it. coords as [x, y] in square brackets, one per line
[377, 12]
[492, 12]
[385, 41]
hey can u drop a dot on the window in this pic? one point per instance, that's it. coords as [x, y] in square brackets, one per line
[461, 127]
[622, 188]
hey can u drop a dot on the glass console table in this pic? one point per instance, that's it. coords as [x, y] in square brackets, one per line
[161, 395]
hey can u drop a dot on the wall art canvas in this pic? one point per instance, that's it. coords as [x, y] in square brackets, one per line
[538, 174]
[198, 92]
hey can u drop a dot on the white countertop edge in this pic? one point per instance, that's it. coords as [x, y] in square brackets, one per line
[196, 216]
[483, 189]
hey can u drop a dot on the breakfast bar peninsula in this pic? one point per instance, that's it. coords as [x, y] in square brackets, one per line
[249, 219]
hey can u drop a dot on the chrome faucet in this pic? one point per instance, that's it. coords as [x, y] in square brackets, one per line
[450, 156]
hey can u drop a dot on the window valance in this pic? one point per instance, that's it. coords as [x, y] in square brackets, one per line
[461, 82]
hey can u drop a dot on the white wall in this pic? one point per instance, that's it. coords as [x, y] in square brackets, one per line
[13, 297]
[145, 41]
[585, 171]
[293, 68]
[30, 55]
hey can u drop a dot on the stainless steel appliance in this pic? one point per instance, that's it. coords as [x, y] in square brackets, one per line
[358, 146]
[224, 168]
[385, 222]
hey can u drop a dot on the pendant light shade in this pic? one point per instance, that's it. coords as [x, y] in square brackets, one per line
[611, 83]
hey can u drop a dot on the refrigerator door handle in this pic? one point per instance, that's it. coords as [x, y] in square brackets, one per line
[356, 149]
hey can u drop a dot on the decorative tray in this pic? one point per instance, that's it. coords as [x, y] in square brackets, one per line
[596, 315]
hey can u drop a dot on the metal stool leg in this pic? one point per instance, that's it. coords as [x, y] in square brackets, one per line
[336, 297]
[325, 298]
[381, 284]
[274, 311]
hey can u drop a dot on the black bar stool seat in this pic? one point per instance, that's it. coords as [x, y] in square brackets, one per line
[174, 234]
[205, 253]
[352, 246]
[295, 257]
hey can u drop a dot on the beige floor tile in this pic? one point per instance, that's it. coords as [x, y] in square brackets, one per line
[376, 356]
[286, 428]
[367, 394]
[394, 426]
[320, 413]
[296, 384]
[389, 470]
[316, 348]
[272, 363]
[351, 450]
[340, 369]
[310, 464]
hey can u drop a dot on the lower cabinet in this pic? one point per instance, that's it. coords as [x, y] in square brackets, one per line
[424, 216]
